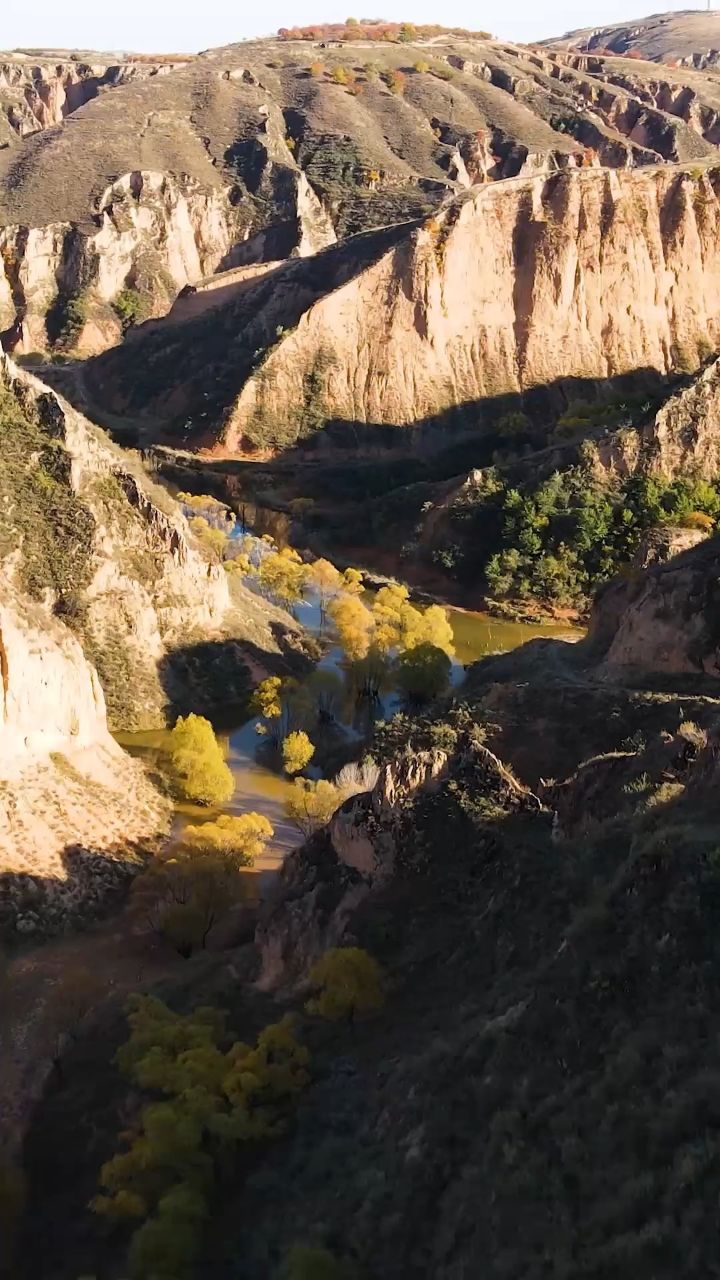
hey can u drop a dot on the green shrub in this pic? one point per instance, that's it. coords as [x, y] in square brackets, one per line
[67, 318]
[559, 540]
[130, 308]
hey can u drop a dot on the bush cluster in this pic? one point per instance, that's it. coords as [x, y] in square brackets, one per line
[559, 540]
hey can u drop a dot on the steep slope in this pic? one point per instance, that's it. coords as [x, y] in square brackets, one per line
[85, 535]
[691, 36]
[108, 611]
[541, 1082]
[666, 621]
[98, 568]
[75, 810]
[271, 148]
[511, 288]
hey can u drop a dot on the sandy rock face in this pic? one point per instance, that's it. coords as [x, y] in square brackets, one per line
[589, 274]
[74, 808]
[51, 696]
[685, 435]
[182, 230]
[150, 596]
[37, 95]
[155, 234]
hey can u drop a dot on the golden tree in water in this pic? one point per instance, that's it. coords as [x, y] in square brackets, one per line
[197, 764]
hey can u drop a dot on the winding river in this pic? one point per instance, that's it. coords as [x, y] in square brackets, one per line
[262, 790]
[37, 978]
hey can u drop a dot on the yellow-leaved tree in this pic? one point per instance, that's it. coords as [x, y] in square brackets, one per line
[183, 893]
[212, 1098]
[282, 575]
[241, 839]
[196, 762]
[265, 700]
[423, 672]
[349, 984]
[400, 625]
[283, 705]
[312, 804]
[212, 540]
[297, 752]
[352, 582]
[326, 581]
[354, 624]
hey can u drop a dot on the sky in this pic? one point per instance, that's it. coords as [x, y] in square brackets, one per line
[156, 26]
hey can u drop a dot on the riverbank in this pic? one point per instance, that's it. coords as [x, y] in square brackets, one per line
[47, 982]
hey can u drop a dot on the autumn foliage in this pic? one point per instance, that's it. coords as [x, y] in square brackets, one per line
[391, 32]
[196, 762]
[213, 1099]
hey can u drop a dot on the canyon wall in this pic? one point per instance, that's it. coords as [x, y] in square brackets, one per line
[588, 275]
[535, 283]
[75, 810]
[147, 177]
[155, 234]
[112, 554]
[109, 613]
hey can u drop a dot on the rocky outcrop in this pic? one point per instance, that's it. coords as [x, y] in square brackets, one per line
[75, 810]
[372, 838]
[606, 786]
[684, 436]
[591, 275]
[156, 233]
[659, 545]
[663, 621]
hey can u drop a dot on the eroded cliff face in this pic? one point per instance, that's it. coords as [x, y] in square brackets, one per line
[587, 275]
[155, 234]
[51, 697]
[273, 161]
[109, 614]
[684, 436]
[37, 94]
[122, 567]
[150, 235]
[75, 810]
